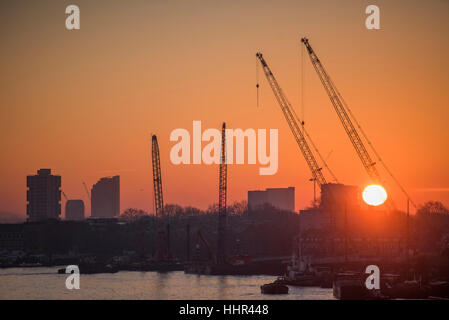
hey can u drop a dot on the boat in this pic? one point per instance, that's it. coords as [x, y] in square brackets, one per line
[300, 279]
[274, 288]
[325, 281]
[439, 289]
[349, 286]
[304, 280]
[410, 289]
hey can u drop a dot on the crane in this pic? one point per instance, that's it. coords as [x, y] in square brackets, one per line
[221, 243]
[299, 132]
[210, 254]
[164, 237]
[87, 190]
[157, 178]
[345, 115]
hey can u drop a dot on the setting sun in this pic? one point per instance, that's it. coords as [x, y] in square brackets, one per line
[374, 195]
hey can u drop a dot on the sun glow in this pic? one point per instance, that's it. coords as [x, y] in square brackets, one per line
[374, 195]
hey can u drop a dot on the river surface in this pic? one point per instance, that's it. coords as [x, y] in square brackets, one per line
[46, 283]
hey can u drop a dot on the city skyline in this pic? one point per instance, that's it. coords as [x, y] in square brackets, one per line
[88, 101]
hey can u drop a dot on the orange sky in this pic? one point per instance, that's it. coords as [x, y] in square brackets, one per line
[85, 102]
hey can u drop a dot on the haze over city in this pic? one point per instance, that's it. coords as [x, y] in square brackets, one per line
[86, 103]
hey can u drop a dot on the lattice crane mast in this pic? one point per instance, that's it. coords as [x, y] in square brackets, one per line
[345, 115]
[87, 190]
[298, 131]
[337, 102]
[222, 215]
[157, 179]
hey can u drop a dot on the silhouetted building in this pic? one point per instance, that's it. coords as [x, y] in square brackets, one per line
[280, 198]
[316, 246]
[74, 210]
[336, 199]
[105, 198]
[11, 237]
[340, 195]
[43, 196]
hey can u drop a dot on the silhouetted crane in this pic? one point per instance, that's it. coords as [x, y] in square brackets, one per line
[87, 190]
[298, 130]
[164, 252]
[345, 115]
[157, 178]
[221, 247]
[210, 254]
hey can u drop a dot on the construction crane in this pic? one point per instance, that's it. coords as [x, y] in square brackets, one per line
[164, 252]
[345, 115]
[87, 190]
[210, 254]
[221, 243]
[298, 130]
[157, 178]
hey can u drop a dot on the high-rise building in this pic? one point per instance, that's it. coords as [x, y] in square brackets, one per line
[337, 195]
[337, 201]
[280, 198]
[43, 196]
[74, 210]
[105, 198]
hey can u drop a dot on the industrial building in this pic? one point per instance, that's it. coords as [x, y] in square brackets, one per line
[74, 210]
[336, 199]
[280, 198]
[340, 196]
[105, 198]
[11, 237]
[43, 196]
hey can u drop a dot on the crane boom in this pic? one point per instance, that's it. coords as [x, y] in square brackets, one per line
[87, 190]
[221, 243]
[338, 104]
[345, 115]
[210, 253]
[300, 135]
[157, 178]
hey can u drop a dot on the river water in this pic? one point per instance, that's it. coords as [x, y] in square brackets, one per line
[46, 283]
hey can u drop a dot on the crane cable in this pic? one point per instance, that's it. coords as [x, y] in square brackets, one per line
[302, 125]
[257, 82]
[301, 102]
[379, 159]
[315, 148]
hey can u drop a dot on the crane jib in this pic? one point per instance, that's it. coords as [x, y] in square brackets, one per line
[289, 115]
[342, 111]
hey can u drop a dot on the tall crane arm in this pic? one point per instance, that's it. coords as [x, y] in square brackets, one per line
[339, 107]
[222, 215]
[293, 124]
[345, 115]
[87, 190]
[157, 178]
[210, 254]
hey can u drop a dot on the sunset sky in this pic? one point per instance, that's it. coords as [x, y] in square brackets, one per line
[85, 102]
